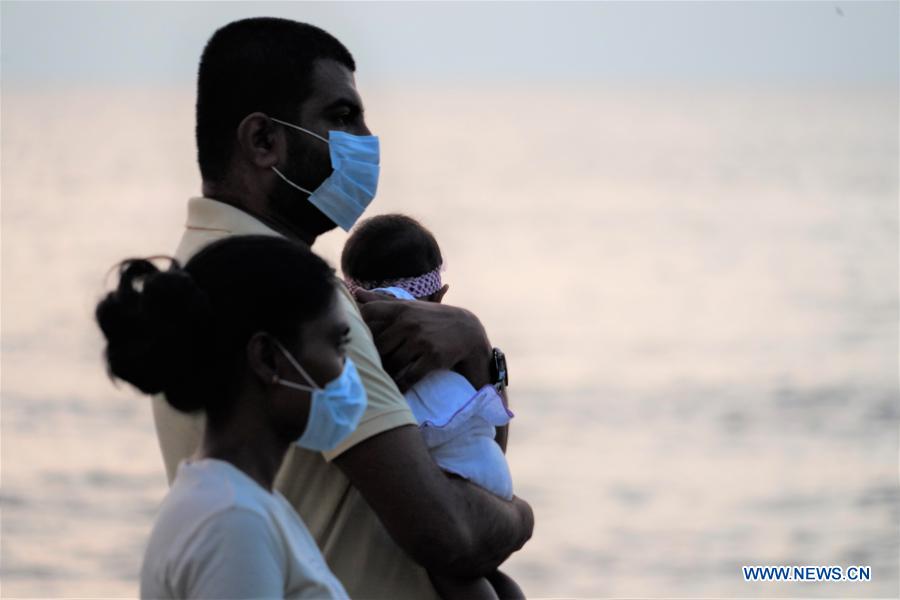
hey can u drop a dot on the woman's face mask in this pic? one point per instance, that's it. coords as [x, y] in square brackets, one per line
[334, 410]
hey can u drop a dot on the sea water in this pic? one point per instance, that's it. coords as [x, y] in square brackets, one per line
[696, 290]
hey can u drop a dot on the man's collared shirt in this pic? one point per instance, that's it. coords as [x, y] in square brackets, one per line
[356, 545]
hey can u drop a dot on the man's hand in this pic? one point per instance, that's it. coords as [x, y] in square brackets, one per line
[415, 338]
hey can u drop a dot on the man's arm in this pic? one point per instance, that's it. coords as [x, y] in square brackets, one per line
[413, 339]
[446, 524]
[502, 436]
[416, 338]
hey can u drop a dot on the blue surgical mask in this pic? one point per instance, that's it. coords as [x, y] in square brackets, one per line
[334, 411]
[350, 188]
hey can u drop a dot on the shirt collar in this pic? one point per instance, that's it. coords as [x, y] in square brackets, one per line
[206, 214]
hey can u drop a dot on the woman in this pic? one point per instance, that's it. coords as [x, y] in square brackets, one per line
[250, 333]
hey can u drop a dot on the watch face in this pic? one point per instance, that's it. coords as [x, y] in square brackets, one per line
[499, 372]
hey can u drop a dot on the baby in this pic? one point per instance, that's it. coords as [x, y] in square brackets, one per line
[396, 255]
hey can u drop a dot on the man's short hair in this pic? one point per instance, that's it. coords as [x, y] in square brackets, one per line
[259, 64]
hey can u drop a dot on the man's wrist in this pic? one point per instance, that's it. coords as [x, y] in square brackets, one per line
[475, 364]
[476, 368]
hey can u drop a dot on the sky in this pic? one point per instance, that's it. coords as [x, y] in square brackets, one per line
[51, 44]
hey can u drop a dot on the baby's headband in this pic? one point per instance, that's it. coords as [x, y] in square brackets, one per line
[419, 286]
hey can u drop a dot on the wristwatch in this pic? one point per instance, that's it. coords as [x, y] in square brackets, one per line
[498, 371]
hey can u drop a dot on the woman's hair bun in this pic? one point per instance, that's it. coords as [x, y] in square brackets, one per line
[158, 327]
[184, 332]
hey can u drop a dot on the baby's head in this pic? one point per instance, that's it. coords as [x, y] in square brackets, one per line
[394, 251]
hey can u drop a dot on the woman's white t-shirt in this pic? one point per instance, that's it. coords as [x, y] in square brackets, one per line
[219, 534]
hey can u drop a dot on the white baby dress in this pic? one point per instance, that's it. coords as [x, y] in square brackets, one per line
[458, 424]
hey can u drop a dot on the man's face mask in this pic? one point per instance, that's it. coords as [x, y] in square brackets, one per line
[350, 188]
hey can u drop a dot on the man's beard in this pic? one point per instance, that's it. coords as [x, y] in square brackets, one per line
[291, 204]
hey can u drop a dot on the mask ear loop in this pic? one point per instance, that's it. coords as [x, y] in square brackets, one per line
[297, 366]
[304, 130]
[291, 183]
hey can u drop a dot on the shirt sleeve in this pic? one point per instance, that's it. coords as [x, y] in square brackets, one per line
[235, 554]
[387, 408]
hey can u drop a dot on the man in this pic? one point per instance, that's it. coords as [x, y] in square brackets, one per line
[269, 92]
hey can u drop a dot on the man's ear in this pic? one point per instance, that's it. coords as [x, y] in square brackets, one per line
[439, 295]
[261, 141]
[261, 358]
